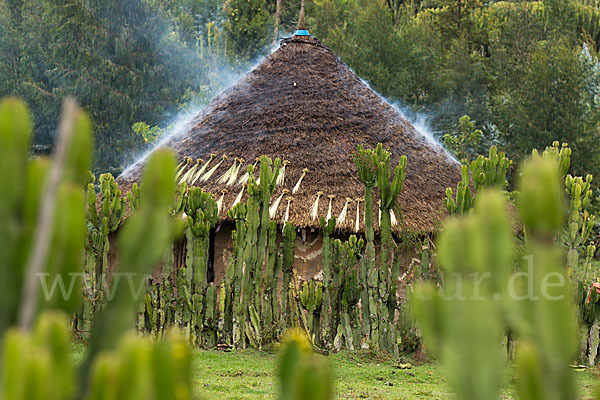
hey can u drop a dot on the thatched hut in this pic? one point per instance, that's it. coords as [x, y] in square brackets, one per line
[305, 106]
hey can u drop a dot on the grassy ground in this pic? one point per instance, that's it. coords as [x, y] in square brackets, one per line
[250, 374]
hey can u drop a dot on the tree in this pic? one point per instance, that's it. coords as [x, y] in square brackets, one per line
[557, 100]
[248, 26]
[122, 60]
[464, 142]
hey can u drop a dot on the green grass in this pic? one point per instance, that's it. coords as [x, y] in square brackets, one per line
[249, 374]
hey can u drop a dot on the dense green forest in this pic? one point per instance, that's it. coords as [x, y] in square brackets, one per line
[525, 72]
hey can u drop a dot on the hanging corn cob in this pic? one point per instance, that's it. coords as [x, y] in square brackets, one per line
[238, 198]
[281, 177]
[187, 177]
[330, 197]
[210, 172]
[297, 187]
[275, 205]
[341, 220]
[200, 172]
[234, 174]
[184, 165]
[287, 210]
[315, 207]
[220, 201]
[224, 178]
[358, 200]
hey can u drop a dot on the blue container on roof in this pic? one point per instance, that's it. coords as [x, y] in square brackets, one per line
[301, 32]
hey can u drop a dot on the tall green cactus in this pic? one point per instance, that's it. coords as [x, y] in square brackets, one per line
[40, 236]
[141, 244]
[311, 297]
[344, 291]
[210, 318]
[388, 193]
[238, 214]
[374, 170]
[463, 201]
[270, 309]
[560, 153]
[202, 215]
[112, 211]
[327, 228]
[36, 364]
[579, 222]
[15, 140]
[302, 375]
[255, 246]
[487, 172]
[289, 246]
[490, 171]
[367, 162]
[465, 326]
[548, 329]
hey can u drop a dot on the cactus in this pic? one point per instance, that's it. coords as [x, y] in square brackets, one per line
[37, 366]
[341, 289]
[551, 344]
[32, 242]
[387, 285]
[210, 320]
[339, 252]
[463, 201]
[142, 369]
[112, 210]
[238, 214]
[349, 302]
[311, 297]
[100, 225]
[15, 138]
[465, 329]
[580, 222]
[326, 257]
[561, 154]
[289, 245]
[141, 244]
[270, 309]
[268, 180]
[487, 172]
[490, 171]
[374, 170]
[302, 375]
[257, 228]
[253, 327]
[367, 162]
[134, 197]
[166, 290]
[202, 215]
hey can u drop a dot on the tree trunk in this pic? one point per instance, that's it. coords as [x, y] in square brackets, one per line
[277, 18]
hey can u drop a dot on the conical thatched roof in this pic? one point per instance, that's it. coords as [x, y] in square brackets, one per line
[304, 105]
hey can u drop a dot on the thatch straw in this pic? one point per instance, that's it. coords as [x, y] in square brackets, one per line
[304, 105]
